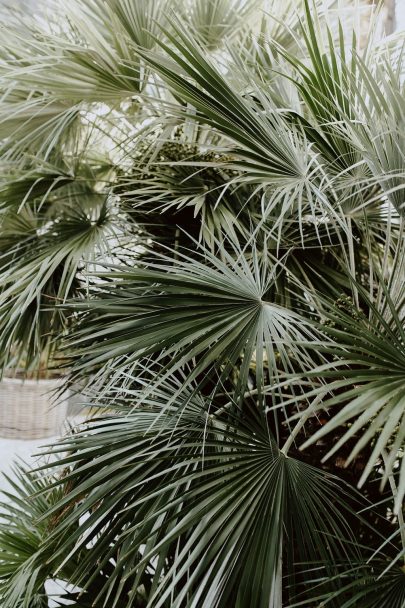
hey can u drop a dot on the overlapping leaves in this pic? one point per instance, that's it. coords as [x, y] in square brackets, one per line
[40, 262]
[211, 313]
[366, 384]
[22, 577]
[199, 499]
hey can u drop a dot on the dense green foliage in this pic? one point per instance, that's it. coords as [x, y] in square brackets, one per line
[202, 227]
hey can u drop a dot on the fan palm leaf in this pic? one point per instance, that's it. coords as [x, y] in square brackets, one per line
[188, 464]
[201, 214]
[366, 382]
[226, 316]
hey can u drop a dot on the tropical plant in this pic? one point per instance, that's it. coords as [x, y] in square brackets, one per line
[202, 221]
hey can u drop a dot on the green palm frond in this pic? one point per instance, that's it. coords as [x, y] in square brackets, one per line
[369, 586]
[181, 183]
[366, 381]
[382, 134]
[34, 123]
[226, 317]
[268, 150]
[205, 496]
[18, 190]
[266, 147]
[217, 21]
[201, 216]
[357, 103]
[25, 549]
[22, 530]
[38, 272]
[94, 60]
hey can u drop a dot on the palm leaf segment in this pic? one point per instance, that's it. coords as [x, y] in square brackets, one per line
[205, 313]
[370, 366]
[205, 498]
[173, 536]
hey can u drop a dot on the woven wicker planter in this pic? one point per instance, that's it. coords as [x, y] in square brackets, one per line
[28, 409]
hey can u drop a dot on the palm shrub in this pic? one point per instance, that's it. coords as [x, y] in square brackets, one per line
[201, 216]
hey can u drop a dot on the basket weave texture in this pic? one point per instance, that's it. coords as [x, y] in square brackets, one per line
[29, 410]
